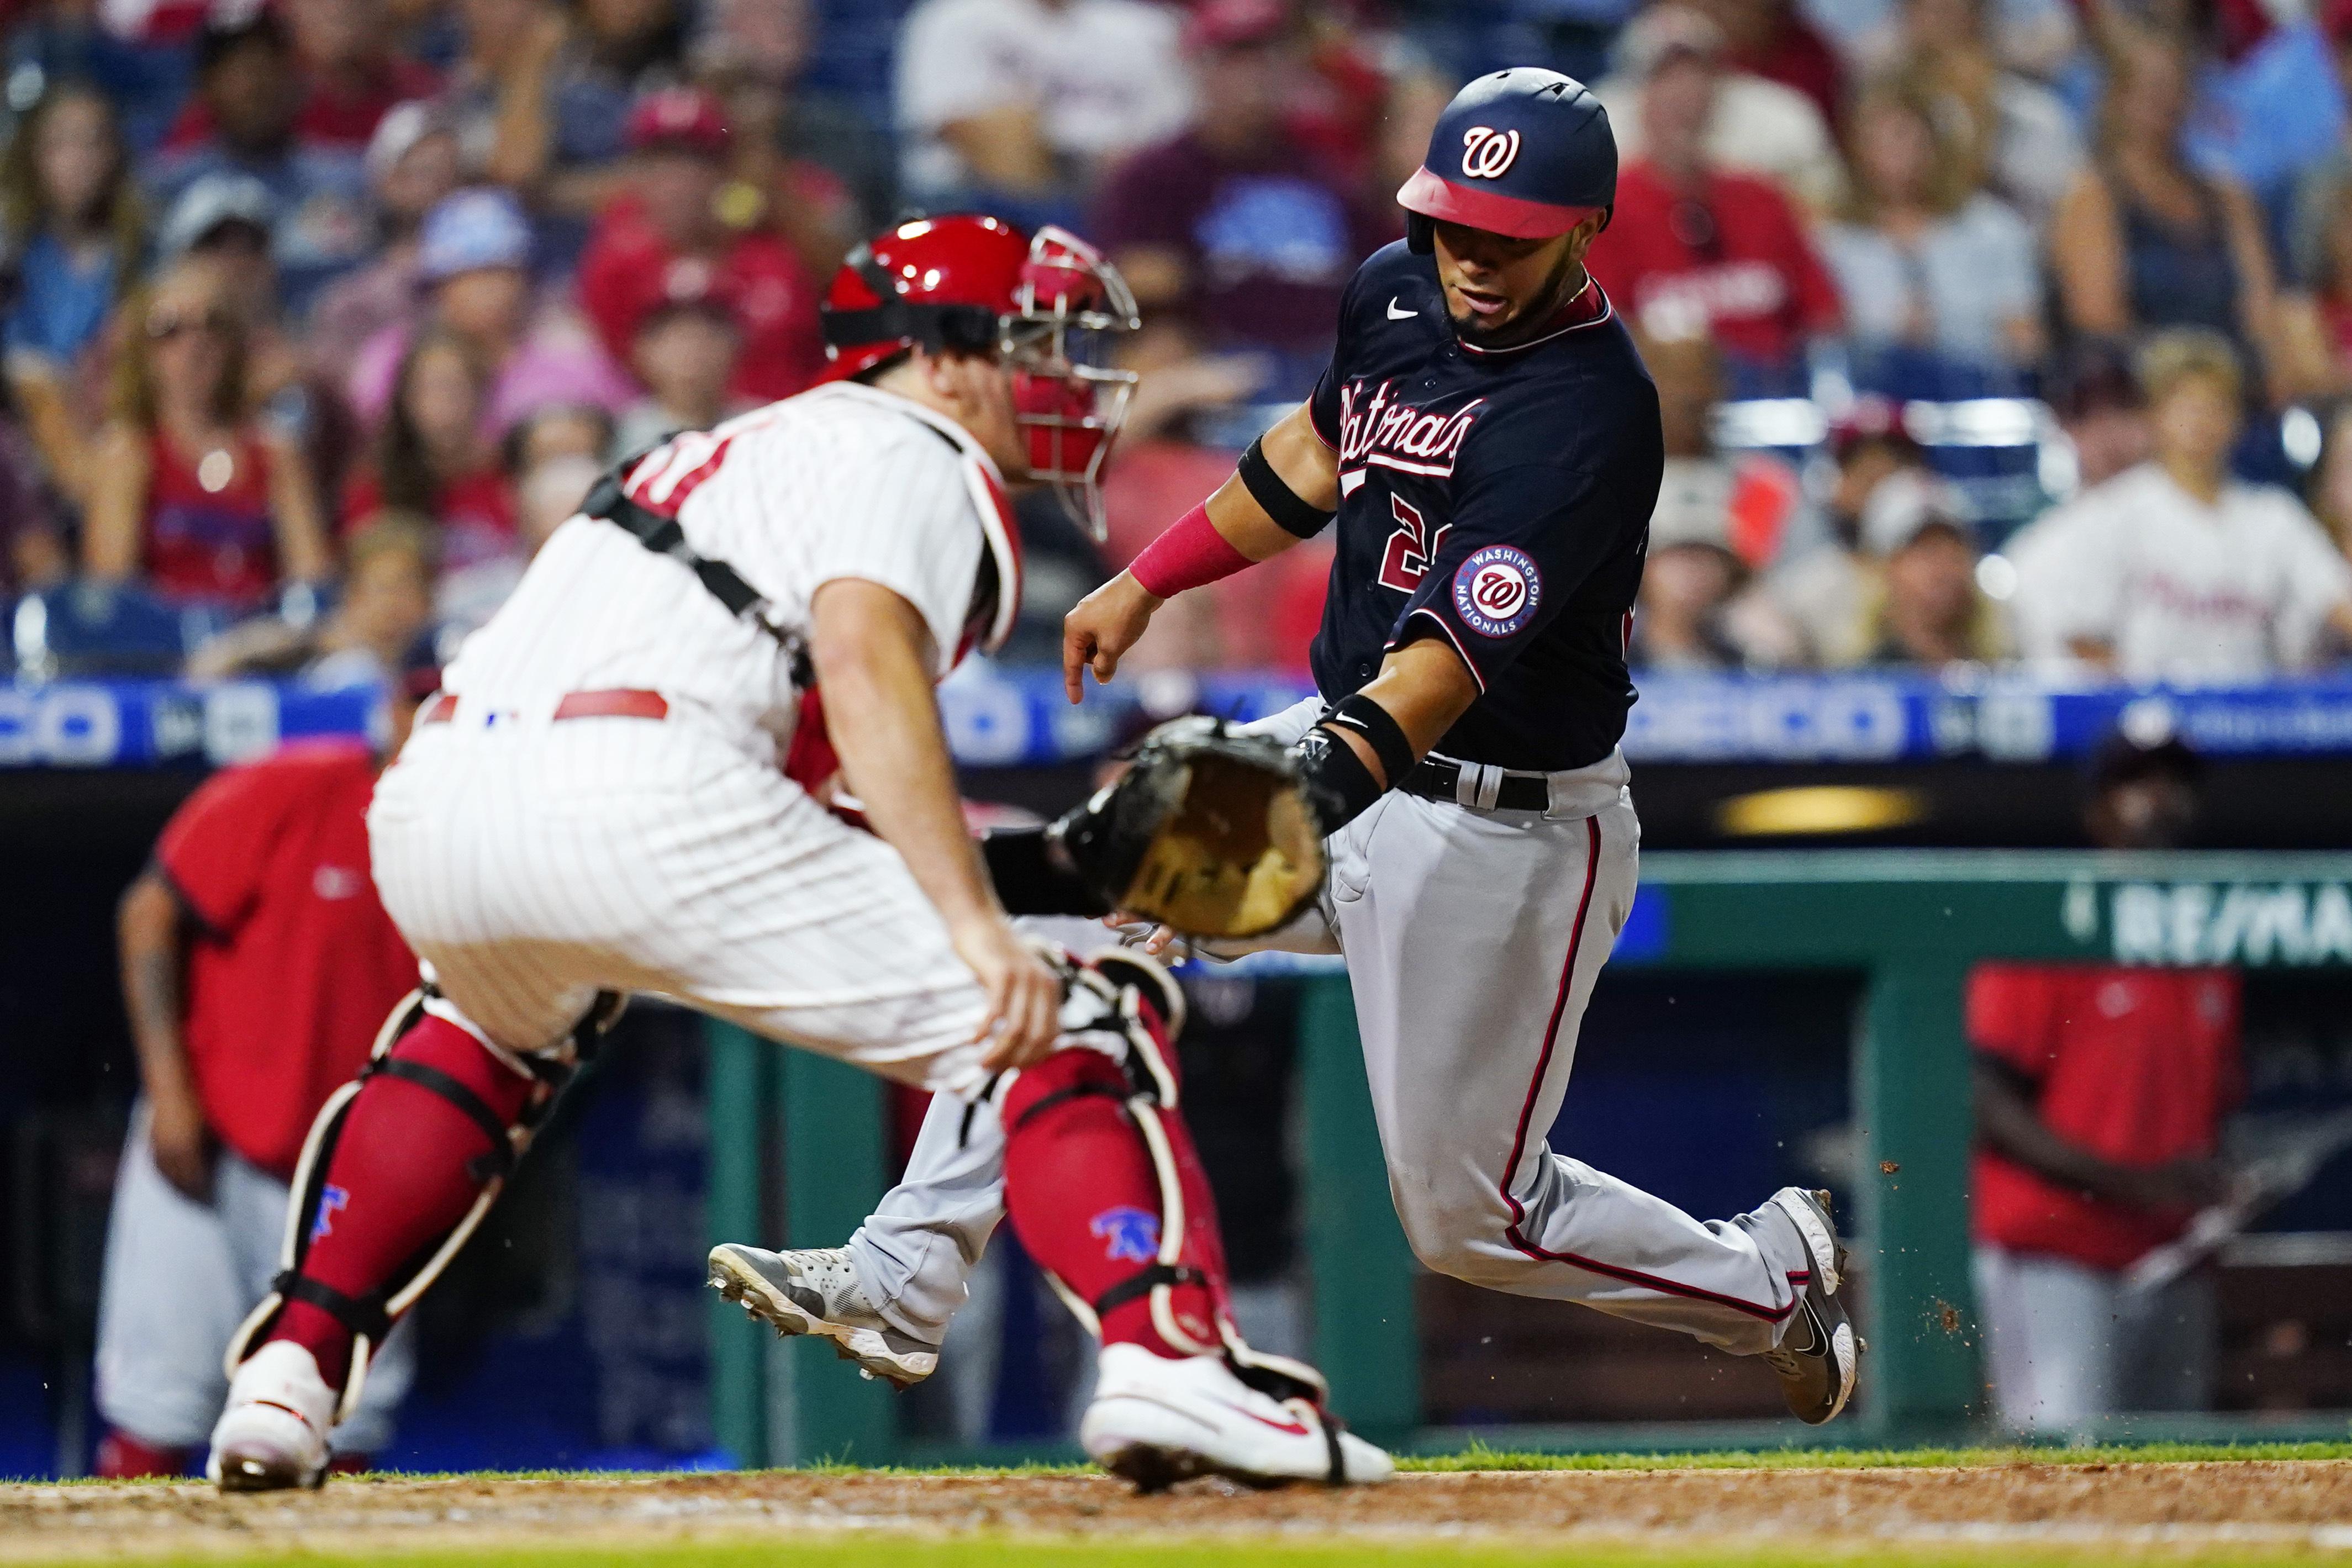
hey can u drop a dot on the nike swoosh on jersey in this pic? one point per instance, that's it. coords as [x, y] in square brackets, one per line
[1396, 315]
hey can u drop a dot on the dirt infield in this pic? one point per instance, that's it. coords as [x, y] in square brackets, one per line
[2298, 1508]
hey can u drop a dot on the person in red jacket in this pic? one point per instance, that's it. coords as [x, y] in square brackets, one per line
[1694, 250]
[666, 240]
[2100, 1091]
[256, 968]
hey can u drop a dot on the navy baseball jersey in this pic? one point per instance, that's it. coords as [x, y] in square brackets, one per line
[1499, 498]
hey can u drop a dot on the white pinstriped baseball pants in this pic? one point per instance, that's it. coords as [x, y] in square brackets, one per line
[532, 864]
[1472, 941]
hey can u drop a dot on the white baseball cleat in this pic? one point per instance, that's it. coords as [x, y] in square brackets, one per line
[272, 1434]
[814, 1290]
[1157, 1421]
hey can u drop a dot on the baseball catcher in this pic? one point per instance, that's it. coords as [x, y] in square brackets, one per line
[595, 804]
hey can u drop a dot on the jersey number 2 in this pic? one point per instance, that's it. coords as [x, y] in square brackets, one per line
[1412, 546]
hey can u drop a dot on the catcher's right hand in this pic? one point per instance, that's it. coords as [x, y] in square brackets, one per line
[1210, 833]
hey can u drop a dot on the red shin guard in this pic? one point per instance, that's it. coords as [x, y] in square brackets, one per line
[1083, 1189]
[398, 1180]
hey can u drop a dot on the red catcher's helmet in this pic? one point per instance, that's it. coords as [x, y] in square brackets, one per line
[976, 285]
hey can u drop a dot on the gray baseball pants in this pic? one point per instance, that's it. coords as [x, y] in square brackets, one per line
[1473, 938]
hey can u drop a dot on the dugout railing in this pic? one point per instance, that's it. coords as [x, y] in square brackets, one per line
[1909, 925]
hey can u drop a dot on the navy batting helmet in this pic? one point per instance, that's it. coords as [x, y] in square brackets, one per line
[1524, 151]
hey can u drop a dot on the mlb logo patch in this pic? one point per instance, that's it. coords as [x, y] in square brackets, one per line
[1129, 1235]
[1497, 590]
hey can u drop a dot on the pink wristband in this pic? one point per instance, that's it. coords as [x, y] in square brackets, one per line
[1191, 553]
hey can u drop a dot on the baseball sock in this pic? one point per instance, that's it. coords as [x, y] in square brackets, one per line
[122, 1457]
[1083, 1194]
[397, 1181]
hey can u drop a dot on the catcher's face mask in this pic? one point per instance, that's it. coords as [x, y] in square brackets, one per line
[1056, 342]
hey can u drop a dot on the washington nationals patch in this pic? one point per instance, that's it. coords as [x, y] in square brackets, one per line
[1496, 590]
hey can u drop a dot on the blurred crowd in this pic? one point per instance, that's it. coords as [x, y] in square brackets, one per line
[1986, 330]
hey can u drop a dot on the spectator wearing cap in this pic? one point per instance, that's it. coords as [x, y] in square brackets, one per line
[73, 223]
[248, 84]
[825, 171]
[1931, 271]
[474, 257]
[2173, 570]
[1022, 105]
[1235, 238]
[666, 242]
[2144, 239]
[1827, 592]
[413, 163]
[2100, 1093]
[190, 492]
[1929, 614]
[1697, 249]
[349, 77]
[1749, 124]
[2018, 138]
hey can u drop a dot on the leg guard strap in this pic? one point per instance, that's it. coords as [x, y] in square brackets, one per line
[500, 1158]
[363, 1315]
[1074, 1092]
[1144, 1281]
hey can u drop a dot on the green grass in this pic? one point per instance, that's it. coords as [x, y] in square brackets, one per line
[1477, 1457]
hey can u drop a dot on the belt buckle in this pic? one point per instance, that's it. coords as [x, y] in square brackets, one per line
[1478, 785]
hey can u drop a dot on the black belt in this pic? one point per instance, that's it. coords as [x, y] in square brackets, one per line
[1437, 779]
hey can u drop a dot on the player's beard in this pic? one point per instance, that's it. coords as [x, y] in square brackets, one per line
[1567, 277]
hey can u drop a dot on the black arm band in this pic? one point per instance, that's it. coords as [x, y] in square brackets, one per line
[1281, 502]
[1337, 779]
[1031, 879]
[1370, 719]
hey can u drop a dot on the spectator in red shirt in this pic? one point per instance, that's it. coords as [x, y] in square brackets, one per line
[256, 968]
[666, 240]
[2100, 1091]
[1696, 250]
[190, 491]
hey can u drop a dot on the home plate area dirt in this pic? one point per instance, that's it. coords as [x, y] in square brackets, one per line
[2304, 1506]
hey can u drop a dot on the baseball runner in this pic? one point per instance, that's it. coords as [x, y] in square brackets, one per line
[1490, 443]
[593, 805]
[257, 966]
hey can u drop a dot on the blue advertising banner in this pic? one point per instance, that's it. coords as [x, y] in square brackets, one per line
[1020, 718]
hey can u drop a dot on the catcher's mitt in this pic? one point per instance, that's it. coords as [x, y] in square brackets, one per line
[1210, 832]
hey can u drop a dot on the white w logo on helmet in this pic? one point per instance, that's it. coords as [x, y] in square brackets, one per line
[1486, 154]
